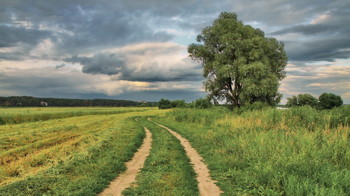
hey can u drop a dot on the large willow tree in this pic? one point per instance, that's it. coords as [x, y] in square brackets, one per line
[240, 64]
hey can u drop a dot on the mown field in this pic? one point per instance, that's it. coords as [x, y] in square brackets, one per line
[76, 155]
[19, 115]
[78, 151]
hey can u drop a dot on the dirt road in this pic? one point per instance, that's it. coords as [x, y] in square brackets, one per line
[206, 185]
[134, 166]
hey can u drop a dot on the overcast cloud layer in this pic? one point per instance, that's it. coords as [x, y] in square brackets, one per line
[137, 49]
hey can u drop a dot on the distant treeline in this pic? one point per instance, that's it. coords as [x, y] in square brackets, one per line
[27, 101]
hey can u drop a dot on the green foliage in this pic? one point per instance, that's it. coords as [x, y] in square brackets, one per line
[302, 100]
[329, 101]
[325, 101]
[241, 65]
[202, 103]
[164, 104]
[251, 107]
[178, 104]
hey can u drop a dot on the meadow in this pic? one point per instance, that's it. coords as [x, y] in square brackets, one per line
[78, 151]
[299, 151]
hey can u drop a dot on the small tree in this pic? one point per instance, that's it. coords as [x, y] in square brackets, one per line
[292, 101]
[240, 64]
[329, 101]
[164, 104]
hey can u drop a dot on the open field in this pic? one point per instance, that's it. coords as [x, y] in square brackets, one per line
[299, 151]
[75, 155]
[19, 115]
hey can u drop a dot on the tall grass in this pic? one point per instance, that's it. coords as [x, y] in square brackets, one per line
[298, 151]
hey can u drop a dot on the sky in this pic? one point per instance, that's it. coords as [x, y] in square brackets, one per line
[137, 50]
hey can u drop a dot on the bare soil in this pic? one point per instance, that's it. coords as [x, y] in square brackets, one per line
[206, 185]
[133, 166]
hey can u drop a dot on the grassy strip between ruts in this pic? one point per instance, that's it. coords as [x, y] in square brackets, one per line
[252, 154]
[89, 172]
[167, 170]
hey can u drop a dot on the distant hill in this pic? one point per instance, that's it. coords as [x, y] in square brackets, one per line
[27, 101]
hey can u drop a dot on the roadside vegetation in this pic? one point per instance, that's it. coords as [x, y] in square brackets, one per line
[299, 151]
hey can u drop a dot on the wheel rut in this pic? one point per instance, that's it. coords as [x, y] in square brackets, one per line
[125, 179]
[206, 185]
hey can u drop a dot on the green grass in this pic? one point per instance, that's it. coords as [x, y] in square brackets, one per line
[20, 115]
[81, 167]
[299, 151]
[167, 170]
[272, 152]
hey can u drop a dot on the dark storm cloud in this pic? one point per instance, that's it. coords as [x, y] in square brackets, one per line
[327, 49]
[76, 27]
[306, 29]
[153, 72]
[87, 26]
[10, 36]
[325, 40]
[100, 63]
[150, 71]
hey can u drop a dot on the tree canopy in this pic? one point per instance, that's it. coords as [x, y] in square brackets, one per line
[301, 100]
[329, 101]
[325, 101]
[240, 64]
